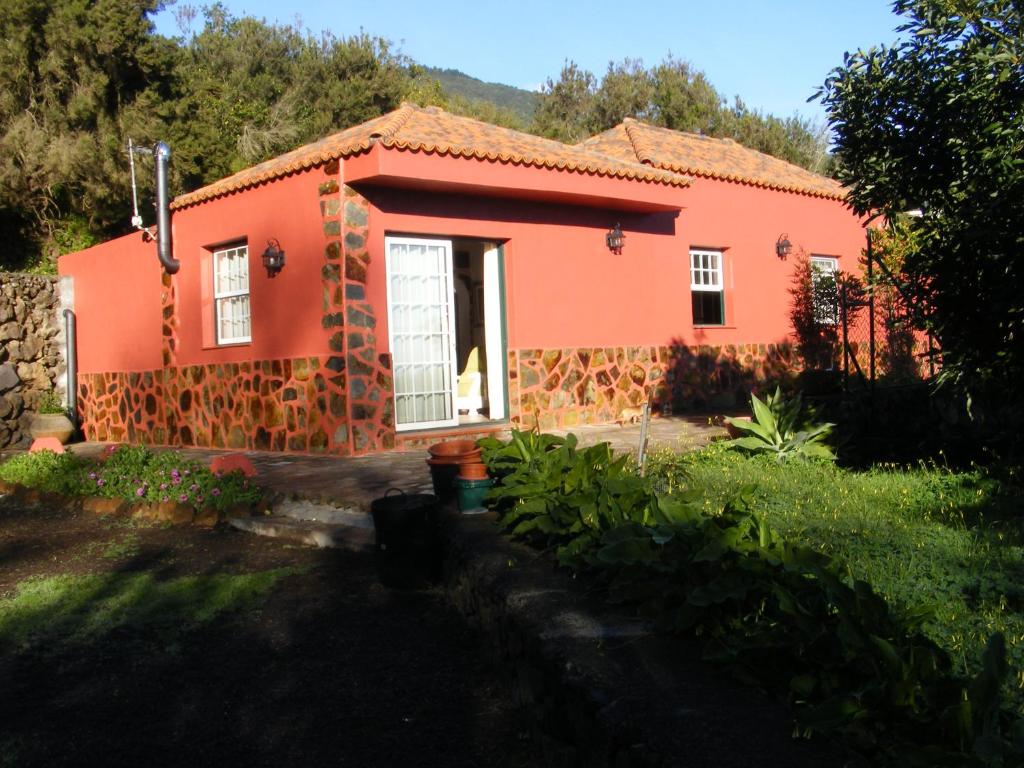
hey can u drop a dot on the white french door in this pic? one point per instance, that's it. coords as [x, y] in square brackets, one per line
[421, 327]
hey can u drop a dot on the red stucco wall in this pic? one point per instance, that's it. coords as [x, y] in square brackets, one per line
[566, 289]
[117, 305]
[747, 221]
[286, 309]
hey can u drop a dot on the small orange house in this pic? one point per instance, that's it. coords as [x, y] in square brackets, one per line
[445, 275]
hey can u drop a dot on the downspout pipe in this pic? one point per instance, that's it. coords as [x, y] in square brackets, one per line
[162, 154]
[71, 356]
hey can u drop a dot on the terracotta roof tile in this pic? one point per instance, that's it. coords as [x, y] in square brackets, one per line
[696, 155]
[418, 129]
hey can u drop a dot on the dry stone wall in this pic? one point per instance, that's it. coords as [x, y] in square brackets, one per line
[31, 351]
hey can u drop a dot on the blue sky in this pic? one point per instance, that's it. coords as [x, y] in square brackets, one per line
[773, 55]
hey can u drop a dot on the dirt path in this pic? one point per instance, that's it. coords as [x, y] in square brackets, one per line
[331, 668]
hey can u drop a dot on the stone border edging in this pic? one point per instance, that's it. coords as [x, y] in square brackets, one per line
[171, 512]
[601, 688]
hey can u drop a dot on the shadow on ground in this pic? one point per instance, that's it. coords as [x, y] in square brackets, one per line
[329, 668]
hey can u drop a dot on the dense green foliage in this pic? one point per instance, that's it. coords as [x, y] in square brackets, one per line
[781, 428]
[75, 79]
[568, 497]
[133, 473]
[778, 612]
[936, 123]
[674, 95]
[78, 79]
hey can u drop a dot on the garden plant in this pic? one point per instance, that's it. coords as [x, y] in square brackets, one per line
[132, 473]
[704, 556]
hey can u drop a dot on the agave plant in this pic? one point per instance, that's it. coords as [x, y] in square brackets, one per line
[780, 427]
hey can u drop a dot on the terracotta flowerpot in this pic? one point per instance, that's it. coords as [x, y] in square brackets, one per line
[454, 452]
[51, 425]
[475, 470]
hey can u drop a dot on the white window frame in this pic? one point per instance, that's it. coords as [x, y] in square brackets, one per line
[240, 251]
[824, 265]
[707, 276]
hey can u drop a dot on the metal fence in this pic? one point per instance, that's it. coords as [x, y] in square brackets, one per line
[879, 344]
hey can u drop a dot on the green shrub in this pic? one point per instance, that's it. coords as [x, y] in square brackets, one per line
[134, 473]
[566, 497]
[47, 471]
[781, 428]
[50, 403]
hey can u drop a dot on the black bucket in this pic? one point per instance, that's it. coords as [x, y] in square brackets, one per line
[442, 475]
[408, 549]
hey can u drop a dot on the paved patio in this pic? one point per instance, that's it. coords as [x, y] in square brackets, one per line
[356, 481]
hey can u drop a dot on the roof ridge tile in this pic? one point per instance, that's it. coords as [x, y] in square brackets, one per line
[652, 144]
[398, 119]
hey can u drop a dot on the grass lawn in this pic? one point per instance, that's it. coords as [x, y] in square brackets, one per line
[131, 644]
[925, 538]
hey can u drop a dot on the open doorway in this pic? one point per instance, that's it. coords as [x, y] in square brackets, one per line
[446, 331]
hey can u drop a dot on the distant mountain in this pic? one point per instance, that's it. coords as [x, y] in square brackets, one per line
[518, 100]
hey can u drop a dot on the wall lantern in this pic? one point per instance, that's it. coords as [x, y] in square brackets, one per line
[783, 247]
[615, 240]
[273, 257]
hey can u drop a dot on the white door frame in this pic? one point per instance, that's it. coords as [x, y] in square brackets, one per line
[447, 318]
[494, 334]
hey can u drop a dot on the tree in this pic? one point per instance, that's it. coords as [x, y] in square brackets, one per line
[627, 90]
[675, 96]
[683, 99]
[936, 123]
[566, 108]
[76, 79]
[249, 90]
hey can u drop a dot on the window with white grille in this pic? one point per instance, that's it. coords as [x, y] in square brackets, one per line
[231, 295]
[824, 278]
[706, 287]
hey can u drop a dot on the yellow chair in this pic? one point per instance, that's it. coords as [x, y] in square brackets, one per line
[470, 385]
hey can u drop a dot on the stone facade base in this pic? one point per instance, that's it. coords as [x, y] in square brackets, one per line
[271, 405]
[309, 404]
[567, 387]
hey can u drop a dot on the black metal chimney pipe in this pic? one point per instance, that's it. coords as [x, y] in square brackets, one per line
[162, 154]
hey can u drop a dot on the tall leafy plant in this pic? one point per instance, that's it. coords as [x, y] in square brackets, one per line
[566, 497]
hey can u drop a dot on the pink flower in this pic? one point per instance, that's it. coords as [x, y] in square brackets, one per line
[183, 498]
[140, 491]
[215, 492]
[99, 482]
